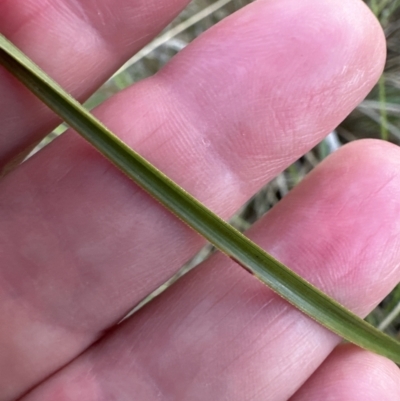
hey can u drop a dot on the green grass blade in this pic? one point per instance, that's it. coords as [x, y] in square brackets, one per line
[278, 277]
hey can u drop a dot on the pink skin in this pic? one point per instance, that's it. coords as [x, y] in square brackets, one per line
[344, 375]
[230, 112]
[220, 334]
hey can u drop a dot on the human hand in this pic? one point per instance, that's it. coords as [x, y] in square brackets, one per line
[80, 243]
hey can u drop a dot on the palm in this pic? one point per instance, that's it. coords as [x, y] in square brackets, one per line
[80, 244]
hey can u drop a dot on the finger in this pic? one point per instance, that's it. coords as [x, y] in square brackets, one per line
[81, 244]
[219, 334]
[352, 374]
[79, 43]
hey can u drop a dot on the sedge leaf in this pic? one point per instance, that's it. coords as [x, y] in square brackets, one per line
[223, 236]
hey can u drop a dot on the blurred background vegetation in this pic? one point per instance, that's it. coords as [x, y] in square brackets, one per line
[376, 117]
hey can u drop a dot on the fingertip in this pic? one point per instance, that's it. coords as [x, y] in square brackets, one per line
[370, 156]
[345, 213]
[350, 374]
[280, 66]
